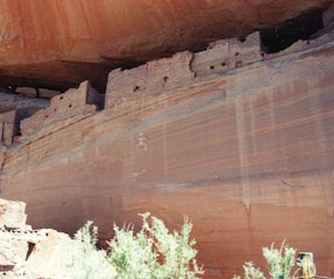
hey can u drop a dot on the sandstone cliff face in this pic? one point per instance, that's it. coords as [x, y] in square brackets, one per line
[60, 43]
[244, 146]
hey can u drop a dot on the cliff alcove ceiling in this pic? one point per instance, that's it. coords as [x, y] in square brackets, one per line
[57, 44]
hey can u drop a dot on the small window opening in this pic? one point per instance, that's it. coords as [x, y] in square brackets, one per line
[299, 28]
[242, 39]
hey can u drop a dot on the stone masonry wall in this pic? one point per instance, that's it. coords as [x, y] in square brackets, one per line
[181, 70]
[78, 102]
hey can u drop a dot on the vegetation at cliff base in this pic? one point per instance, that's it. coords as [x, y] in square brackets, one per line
[279, 263]
[152, 253]
[156, 253]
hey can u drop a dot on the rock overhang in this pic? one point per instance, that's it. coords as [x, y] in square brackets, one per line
[59, 44]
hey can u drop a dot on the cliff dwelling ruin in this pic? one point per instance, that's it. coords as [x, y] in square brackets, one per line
[222, 111]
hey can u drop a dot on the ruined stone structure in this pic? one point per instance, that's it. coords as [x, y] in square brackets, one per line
[78, 103]
[239, 140]
[44, 254]
[180, 71]
[13, 109]
[15, 240]
[27, 253]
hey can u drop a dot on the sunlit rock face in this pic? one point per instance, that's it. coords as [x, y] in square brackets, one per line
[60, 43]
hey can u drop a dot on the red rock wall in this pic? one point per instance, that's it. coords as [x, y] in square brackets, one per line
[247, 154]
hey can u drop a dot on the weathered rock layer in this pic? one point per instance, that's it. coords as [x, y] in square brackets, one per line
[243, 145]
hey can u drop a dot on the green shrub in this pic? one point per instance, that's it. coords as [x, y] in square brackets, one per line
[279, 262]
[154, 252]
[88, 262]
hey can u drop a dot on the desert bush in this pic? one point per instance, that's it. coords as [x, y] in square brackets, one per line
[88, 262]
[279, 263]
[154, 252]
[250, 272]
